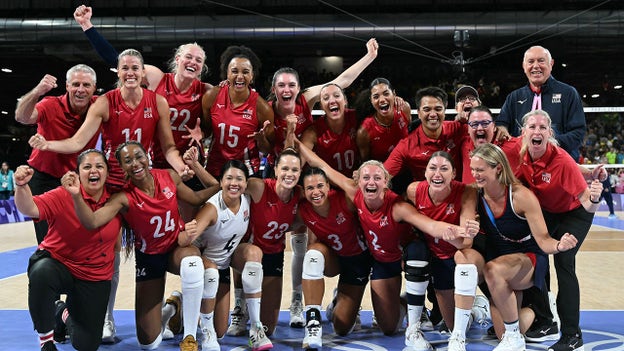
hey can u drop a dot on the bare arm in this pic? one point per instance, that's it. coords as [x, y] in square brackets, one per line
[89, 219]
[348, 76]
[362, 140]
[166, 138]
[590, 197]
[98, 112]
[266, 136]
[23, 196]
[206, 217]
[25, 111]
[191, 158]
[346, 184]
[187, 194]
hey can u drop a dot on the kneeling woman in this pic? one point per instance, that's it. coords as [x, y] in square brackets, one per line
[149, 205]
[72, 259]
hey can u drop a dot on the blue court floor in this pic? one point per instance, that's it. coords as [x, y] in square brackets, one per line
[603, 330]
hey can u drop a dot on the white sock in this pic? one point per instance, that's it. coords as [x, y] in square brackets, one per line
[462, 317]
[253, 308]
[413, 314]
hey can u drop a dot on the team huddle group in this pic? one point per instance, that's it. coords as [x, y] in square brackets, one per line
[473, 202]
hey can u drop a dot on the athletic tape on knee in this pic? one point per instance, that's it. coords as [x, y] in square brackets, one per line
[252, 277]
[466, 279]
[153, 345]
[416, 271]
[299, 243]
[313, 265]
[211, 283]
[192, 272]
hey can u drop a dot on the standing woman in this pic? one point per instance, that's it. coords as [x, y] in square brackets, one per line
[385, 219]
[335, 247]
[7, 185]
[240, 121]
[332, 136]
[569, 206]
[148, 203]
[72, 259]
[380, 132]
[219, 227]
[517, 238]
[443, 198]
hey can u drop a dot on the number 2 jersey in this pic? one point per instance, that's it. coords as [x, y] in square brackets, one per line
[219, 240]
[271, 218]
[155, 221]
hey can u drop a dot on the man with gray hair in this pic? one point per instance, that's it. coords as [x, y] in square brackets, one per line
[57, 118]
[544, 92]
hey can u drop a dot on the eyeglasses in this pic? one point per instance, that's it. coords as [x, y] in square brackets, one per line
[467, 97]
[484, 124]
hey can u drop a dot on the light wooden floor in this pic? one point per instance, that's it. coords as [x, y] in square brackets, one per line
[598, 269]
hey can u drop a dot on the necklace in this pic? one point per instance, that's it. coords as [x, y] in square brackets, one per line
[387, 125]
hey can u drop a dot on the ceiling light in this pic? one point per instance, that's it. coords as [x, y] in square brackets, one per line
[617, 87]
[4, 113]
[595, 96]
[7, 70]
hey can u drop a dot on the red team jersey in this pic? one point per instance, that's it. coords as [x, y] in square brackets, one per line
[304, 120]
[231, 127]
[87, 254]
[414, 151]
[449, 211]
[155, 220]
[271, 218]
[383, 234]
[184, 109]
[384, 139]
[55, 121]
[339, 150]
[124, 124]
[339, 230]
[554, 178]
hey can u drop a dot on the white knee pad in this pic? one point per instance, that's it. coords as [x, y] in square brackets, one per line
[313, 265]
[299, 243]
[153, 345]
[192, 272]
[466, 279]
[252, 277]
[211, 283]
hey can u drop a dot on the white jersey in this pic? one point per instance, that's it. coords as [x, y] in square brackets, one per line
[218, 241]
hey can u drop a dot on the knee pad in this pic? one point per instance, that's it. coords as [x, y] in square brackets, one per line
[211, 283]
[252, 277]
[154, 345]
[299, 243]
[313, 265]
[192, 272]
[466, 279]
[416, 271]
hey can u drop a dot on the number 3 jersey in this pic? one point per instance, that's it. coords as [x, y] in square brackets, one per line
[271, 218]
[219, 240]
[155, 220]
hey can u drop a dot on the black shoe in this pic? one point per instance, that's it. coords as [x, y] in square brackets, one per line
[568, 343]
[60, 329]
[49, 346]
[541, 333]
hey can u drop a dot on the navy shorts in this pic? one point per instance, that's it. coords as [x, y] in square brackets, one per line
[442, 273]
[355, 270]
[224, 276]
[150, 266]
[273, 264]
[385, 270]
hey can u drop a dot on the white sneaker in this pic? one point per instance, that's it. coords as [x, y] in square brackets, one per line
[108, 332]
[296, 314]
[209, 340]
[313, 338]
[481, 310]
[456, 343]
[511, 342]
[238, 322]
[415, 339]
[167, 334]
[258, 339]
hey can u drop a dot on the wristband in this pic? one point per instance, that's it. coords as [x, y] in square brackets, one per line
[594, 202]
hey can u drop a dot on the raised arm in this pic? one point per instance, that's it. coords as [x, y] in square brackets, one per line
[195, 198]
[346, 184]
[25, 111]
[98, 112]
[23, 196]
[348, 76]
[89, 219]
[107, 52]
[266, 136]
[590, 197]
[165, 137]
[191, 158]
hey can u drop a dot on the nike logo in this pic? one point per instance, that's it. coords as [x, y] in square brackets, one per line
[522, 101]
[141, 204]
